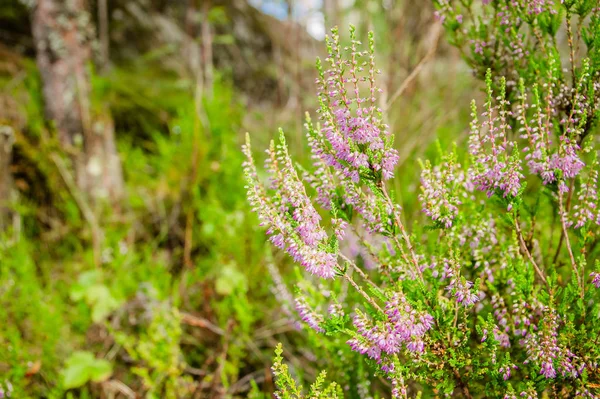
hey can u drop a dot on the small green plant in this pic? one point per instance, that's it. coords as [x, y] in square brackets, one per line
[91, 289]
[83, 367]
[157, 353]
[288, 389]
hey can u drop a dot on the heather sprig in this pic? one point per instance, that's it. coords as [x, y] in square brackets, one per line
[355, 140]
[292, 221]
[586, 209]
[443, 188]
[287, 388]
[496, 166]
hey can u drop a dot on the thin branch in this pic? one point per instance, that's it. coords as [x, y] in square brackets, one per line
[571, 47]
[358, 270]
[524, 245]
[563, 223]
[201, 322]
[83, 205]
[404, 233]
[415, 72]
[362, 292]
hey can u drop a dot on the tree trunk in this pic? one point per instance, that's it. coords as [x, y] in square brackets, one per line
[63, 31]
[103, 33]
[207, 49]
[6, 143]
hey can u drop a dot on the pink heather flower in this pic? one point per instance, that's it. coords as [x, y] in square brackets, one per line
[595, 279]
[506, 370]
[503, 328]
[543, 348]
[537, 7]
[495, 166]
[585, 210]
[439, 16]
[529, 394]
[292, 222]
[339, 228]
[399, 388]
[320, 179]
[365, 202]
[308, 315]
[547, 369]
[567, 160]
[478, 46]
[540, 158]
[458, 286]
[404, 327]
[440, 189]
[353, 136]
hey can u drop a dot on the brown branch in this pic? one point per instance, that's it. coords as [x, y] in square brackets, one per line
[404, 233]
[524, 245]
[362, 292]
[196, 321]
[437, 28]
[563, 223]
[462, 384]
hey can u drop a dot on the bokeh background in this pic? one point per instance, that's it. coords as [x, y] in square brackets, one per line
[130, 263]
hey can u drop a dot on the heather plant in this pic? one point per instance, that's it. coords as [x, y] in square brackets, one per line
[494, 290]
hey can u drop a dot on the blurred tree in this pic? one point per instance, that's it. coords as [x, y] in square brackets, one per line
[62, 32]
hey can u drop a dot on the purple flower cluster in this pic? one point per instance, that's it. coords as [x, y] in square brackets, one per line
[595, 279]
[506, 370]
[399, 388]
[320, 178]
[542, 159]
[440, 189]
[355, 137]
[586, 209]
[537, 7]
[374, 213]
[566, 159]
[308, 315]
[544, 349]
[404, 327]
[458, 286]
[292, 222]
[496, 167]
[502, 317]
[523, 317]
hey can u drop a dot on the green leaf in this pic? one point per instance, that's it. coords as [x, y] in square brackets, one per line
[75, 376]
[99, 298]
[100, 370]
[82, 367]
[77, 372]
[103, 308]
